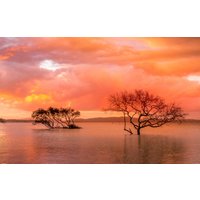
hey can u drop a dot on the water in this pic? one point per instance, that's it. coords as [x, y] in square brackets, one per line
[99, 142]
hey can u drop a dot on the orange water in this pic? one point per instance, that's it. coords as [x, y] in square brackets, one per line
[99, 143]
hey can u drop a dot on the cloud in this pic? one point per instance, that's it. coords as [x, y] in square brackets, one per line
[108, 51]
[39, 72]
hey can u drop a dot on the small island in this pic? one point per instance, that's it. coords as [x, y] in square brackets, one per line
[2, 120]
[56, 117]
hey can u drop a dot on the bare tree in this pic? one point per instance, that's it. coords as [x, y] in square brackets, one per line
[143, 109]
[56, 118]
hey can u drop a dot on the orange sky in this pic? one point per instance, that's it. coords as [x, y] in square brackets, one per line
[83, 72]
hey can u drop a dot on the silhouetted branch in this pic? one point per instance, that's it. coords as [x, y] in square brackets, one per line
[56, 118]
[150, 110]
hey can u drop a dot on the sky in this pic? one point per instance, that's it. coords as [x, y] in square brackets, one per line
[83, 72]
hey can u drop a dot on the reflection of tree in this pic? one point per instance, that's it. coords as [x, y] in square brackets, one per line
[51, 147]
[125, 149]
[153, 149]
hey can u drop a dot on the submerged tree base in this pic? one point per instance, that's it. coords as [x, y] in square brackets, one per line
[66, 127]
[72, 127]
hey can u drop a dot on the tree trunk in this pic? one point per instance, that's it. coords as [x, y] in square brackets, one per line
[124, 121]
[138, 131]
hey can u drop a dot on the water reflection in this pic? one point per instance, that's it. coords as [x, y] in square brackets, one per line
[98, 143]
[153, 149]
[70, 146]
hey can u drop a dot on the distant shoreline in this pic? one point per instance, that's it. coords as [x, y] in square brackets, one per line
[99, 119]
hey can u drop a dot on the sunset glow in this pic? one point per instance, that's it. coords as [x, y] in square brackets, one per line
[49, 65]
[83, 72]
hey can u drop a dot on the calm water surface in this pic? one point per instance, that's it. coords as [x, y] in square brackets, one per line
[99, 143]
